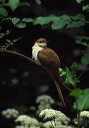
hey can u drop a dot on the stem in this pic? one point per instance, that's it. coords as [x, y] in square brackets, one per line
[78, 114]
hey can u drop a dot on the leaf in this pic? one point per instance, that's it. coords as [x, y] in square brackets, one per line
[86, 7]
[9, 41]
[15, 40]
[85, 58]
[21, 25]
[27, 20]
[3, 12]
[58, 22]
[24, 4]
[69, 77]
[79, 1]
[76, 24]
[77, 21]
[76, 92]
[38, 2]
[15, 20]
[78, 40]
[1, 35]
[13, 4]
[78, 17]
[82, 100]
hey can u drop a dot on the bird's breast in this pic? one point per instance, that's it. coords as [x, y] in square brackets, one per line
[35, 50]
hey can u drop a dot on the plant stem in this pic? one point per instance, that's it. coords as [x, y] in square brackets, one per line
[78, 113]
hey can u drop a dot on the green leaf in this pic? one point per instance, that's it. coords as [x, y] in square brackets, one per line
[78, 40]
[24, 4]
[76, 24]
[82, 100]
[9, 41]
[58, 22]
[69, 77]
[38, 2]
[27, 20]
[79, 1]
[1, 35]
[76, 92]
[85, 58]
[15, 20]
[21, 25]
[86, 7]
[15, 40]
[14, 4]
[3, 12]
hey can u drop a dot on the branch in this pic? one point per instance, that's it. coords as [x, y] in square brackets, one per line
[18, 54]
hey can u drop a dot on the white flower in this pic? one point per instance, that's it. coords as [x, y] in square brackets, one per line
[10, 113]
[84, 114]
[26, 120]
[45, 99]
[54, 116]
[48, 114]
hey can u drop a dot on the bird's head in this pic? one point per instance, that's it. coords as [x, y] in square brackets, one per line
[41, 42]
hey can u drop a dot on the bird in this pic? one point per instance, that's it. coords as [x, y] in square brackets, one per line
[49, 61]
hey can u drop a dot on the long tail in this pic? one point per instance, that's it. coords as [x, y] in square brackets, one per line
[60, 93]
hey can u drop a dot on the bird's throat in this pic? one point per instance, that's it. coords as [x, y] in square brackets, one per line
[35, 49]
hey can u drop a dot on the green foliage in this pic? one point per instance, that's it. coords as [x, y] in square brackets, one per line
[38, 2]
[9, 43]
[13, 4]
[79, 40]
[76, 92]
[69, 75]
[82, 100]
[85, 58]
[79, 1]
[59, 22]
[86, 7]
[3, 12]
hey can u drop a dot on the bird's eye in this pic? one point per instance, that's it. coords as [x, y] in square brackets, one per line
[40, 42]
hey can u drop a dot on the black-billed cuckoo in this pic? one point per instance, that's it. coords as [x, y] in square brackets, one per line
[49, 61]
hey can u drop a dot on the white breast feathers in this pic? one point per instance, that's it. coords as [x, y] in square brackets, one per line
[35, 49]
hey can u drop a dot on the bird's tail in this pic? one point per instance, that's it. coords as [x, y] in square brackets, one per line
[60, 93]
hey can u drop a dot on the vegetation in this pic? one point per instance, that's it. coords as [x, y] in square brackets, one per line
[29, 117]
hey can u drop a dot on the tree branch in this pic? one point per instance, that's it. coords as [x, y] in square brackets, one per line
[18, 54]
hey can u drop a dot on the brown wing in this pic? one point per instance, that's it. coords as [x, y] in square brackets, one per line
[48, 57]
[50, 62]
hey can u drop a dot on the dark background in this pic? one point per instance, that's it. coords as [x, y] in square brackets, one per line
[21, 81]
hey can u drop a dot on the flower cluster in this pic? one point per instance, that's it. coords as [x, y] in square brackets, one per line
[10, 113]
[27, 121]
[44, 102]
[54, 118]
[22, 126]
[84, 114]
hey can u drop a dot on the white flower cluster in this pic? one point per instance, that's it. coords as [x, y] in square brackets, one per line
[51, 124]
[22, 126]
[84, 114]
[45, 102]
[56, 118]
[10, 113]
[45, 98]
[27, 121]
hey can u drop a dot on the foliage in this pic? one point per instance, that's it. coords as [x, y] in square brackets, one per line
[82, 100]
[59, 22]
